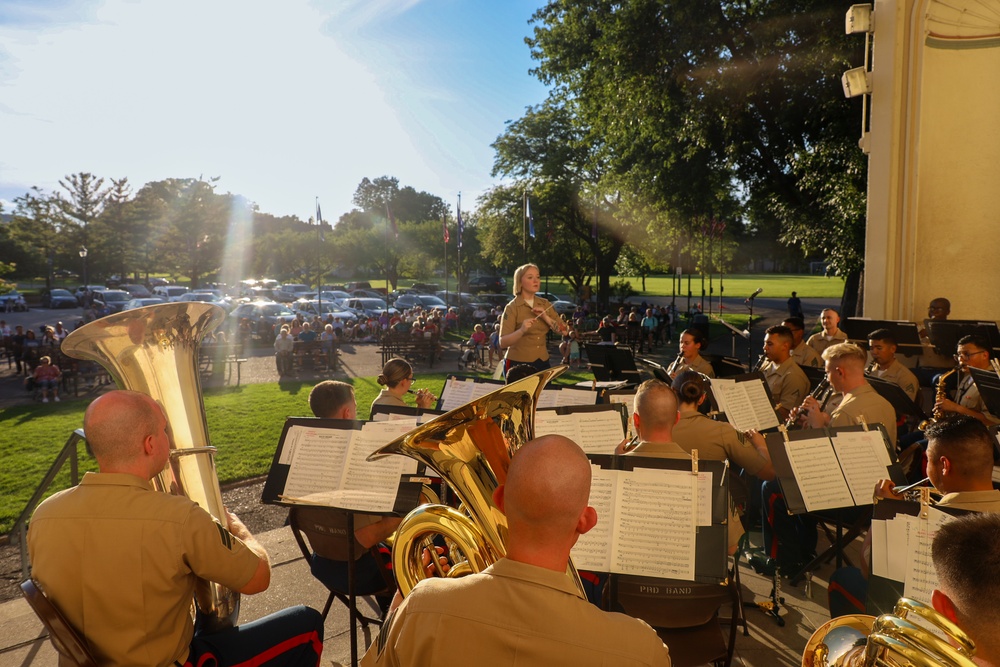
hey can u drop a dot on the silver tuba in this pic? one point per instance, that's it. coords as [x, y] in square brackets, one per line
[471, 448]
[154, 350]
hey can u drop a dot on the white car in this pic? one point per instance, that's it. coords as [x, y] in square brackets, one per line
[170, 292]
[142, 302]
[308, 308]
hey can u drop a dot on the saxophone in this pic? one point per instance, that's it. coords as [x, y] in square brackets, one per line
[941, 393]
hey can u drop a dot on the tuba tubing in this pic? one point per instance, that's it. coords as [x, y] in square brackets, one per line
[470, 448]
[154, 350]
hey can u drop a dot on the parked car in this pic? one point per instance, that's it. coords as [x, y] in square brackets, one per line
[368, 294]
[487, 284]
[263, 315]
[82, 290]
[333, 295]
[425, 288]
[358, 284]
[550, 297]
[58, 298]
[170, 292]
[425, 301]
[290, 292]
[463, 301]
[205, 297]
[142, 302]
[368, 307]
[499, 300]
[13, 300]
[564, 307]
[157, 282]
[309, 308]
[137, 291]
[261, 294]
[111, 300]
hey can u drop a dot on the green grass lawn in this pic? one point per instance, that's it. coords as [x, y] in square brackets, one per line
[244, 424]
[735, 285]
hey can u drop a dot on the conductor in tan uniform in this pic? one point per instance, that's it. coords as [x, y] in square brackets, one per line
[787, 382]
[523, 610]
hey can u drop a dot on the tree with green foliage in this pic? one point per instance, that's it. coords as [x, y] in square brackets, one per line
[717, 111]
[38, 225]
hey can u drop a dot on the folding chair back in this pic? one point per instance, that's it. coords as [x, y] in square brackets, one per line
[67, 641]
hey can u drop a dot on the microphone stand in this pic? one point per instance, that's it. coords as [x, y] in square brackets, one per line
[749, 302]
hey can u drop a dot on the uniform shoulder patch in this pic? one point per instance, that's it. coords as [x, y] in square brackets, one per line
[227, 538]
[383, 633]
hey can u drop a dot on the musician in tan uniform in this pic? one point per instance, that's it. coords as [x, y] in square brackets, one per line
[801, 353]
[690, 344]
[882, 347]
[830, 335]
[522, 610]
[974, 352]
[121, 560]
[788, 384]
[845, 370]
[526, 322]
[966, 555]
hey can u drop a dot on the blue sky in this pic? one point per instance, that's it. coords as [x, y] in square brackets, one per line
[285, 100]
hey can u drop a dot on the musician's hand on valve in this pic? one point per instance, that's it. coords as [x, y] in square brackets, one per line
[430, 568]
[946, 405]
[883, 489]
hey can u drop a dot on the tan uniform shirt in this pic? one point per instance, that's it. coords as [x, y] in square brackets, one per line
[788, 384]
[900, 375]
[820, 341]
[699, 364]
[121, 560]
[385, 398]
[511, 614]
[977, 501]
[532, 345]
[804, 355]
[968, 397]
[717, 441]
[672, 450]
[865, 402]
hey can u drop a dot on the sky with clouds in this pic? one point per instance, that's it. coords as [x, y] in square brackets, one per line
[284, 100]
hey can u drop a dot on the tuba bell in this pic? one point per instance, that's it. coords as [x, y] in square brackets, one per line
[154, 350]
[470, 448]
[908, 636]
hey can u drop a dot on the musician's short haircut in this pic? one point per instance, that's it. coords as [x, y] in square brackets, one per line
[328, 397]
[966, 442]
[519, 372]
[518, 273]
[845, 353]
[656, 404]
[689, 386]
[117, 426]
[966, 555]
[883, 335]
[796, 322]
[782, 332]
[978, 341]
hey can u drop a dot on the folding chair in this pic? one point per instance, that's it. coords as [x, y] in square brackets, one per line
[322, 532]
[69, 644]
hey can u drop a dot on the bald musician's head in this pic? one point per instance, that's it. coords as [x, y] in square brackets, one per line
[959, 455]
[127, 431]
[545, 501]
[654, 411]
[966, 555]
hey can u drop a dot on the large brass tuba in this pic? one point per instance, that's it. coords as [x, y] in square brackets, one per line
[470, 448]
[891, 640]
[154, 350]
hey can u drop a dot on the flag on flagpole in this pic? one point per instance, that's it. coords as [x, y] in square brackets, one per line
[444, 222]
[392, 221]
[319, 221]
[460, 227]
[531, 219]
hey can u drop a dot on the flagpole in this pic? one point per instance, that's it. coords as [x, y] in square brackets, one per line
[387, 255]
[319, 251]
[524, 227]
[444, 221]
[458, 269]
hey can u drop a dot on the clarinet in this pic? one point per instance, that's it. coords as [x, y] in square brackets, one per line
[761, 360]
[672, 368]
[822, 388]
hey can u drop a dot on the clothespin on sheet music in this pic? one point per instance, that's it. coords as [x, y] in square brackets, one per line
[925, 501]
[694, 462]
[784, 432]
[694, 496]
[864, 424]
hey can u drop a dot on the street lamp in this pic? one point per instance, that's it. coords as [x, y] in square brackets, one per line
[83, 256]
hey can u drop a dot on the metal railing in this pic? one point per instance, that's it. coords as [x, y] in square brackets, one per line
[70, 452]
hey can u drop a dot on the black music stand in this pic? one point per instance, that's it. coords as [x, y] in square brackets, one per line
[724, 366]
[612, 362]
[988, 384]
[900, 400]
[945, 334]
[816, 374]
[906, 334]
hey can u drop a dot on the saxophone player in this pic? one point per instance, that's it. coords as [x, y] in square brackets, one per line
[972, 352]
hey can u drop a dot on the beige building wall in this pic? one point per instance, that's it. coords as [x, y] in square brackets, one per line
[934, 166]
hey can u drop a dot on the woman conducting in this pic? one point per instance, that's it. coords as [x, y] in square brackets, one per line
[397, 379]
[526, 322]
[691, 343]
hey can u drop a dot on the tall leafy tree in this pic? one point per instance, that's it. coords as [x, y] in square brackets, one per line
[81, 201]
[39, 226]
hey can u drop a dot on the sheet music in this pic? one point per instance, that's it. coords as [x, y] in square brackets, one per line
[655, 515]
[817, 472]
[880, 548]
[597, 432]
[703, 499]
[864, 460]
[567, 397]
[746, 404]
[316, 458]
[921, 577]
[593, 550]
[761, 404]
[719, 388]
[628, 400]
[457, 392]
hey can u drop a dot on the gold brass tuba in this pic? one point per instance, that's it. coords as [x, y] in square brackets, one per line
[470, 448]
[154, 350]
[891, 640]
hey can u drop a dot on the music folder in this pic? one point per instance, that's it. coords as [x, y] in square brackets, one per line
[821, 469]
[657, 519]
[988, 384]
[323, 462]
[906, 334]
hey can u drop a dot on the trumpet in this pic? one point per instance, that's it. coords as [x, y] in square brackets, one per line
[822, 391]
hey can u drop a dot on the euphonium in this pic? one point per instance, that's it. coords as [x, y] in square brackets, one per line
[941, 394]
[154, 350]
[470, 448]
[891, 640]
